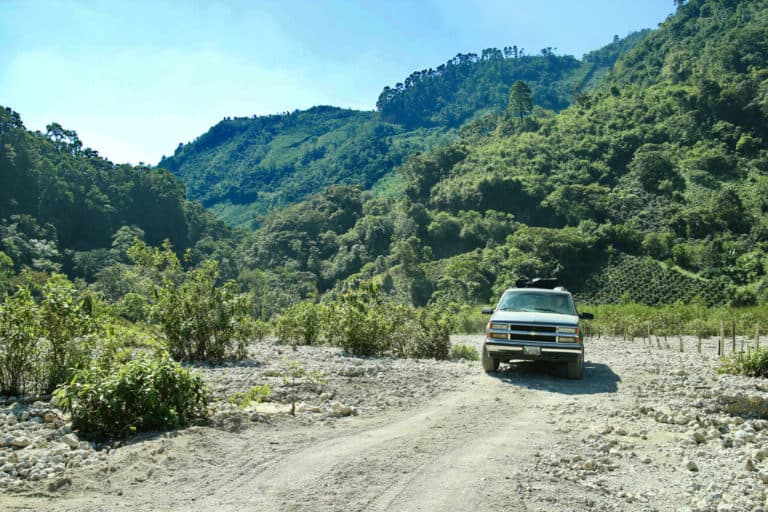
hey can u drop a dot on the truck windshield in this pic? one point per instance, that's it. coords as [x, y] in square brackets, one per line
[537, 302]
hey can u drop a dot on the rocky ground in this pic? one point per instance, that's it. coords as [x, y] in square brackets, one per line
[649, 428]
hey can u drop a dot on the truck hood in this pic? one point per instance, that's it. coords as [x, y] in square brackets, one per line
[535, 318]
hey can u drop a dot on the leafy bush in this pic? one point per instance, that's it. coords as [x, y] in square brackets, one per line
[366, 321]
[144, 394]
[469, 320]
[301, 323]
[359, 324]
[433, 340]
[69, 328]
[752, 364]
[466, 352]
[20, 366]
[133, 307]
[201, 319]
[41, 343]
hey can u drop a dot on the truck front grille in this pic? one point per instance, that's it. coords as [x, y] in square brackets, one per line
[532, 337]
[532, 328]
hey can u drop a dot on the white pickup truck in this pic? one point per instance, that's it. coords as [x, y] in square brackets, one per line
[536, 320]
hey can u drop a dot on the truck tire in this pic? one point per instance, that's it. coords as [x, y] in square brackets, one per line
[490, 364]
[576, 368]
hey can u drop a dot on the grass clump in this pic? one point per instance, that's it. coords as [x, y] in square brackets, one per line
[465, 352]
[751, 364]
[245, 399]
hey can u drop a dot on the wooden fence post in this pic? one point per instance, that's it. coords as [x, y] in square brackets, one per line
[757, 336]
[698, 345]
[682, 345]
[721, 343]
[733, 336]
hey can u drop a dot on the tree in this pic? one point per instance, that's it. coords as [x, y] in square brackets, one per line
[520, 99]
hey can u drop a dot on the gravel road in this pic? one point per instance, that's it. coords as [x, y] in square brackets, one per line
[649, 428]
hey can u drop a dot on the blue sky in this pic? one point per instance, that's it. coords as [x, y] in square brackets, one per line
[136, 78]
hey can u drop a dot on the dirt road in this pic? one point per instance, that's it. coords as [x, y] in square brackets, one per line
[524, 439]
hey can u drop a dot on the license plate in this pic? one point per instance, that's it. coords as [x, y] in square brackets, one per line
[532, 351]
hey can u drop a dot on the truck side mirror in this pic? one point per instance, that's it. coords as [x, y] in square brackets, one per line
[487, 310]
[586, 316]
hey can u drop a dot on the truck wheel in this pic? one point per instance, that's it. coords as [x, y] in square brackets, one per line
[489, 363]
[576, 368]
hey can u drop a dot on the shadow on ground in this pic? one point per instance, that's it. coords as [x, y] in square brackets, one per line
[598, 377]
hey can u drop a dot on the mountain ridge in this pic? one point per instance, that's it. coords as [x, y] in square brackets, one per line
[242, 166]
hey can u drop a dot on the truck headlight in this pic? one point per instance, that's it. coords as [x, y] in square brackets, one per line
[568, 330]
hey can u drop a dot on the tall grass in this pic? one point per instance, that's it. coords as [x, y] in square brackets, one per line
[636, 320]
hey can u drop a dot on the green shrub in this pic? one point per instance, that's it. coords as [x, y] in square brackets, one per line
[752, 364]
[358, 321]
[366, 321]
[202, 320]
[69, 328]
[301, 323]
[469, 320]
[433, 340]
[145, 394]
[133, 307]
[466, 352]
[20, 365]
[41, 343]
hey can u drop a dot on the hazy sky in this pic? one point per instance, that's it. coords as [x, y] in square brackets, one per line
[135, 78]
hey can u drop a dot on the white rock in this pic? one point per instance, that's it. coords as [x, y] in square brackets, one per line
[71, 440]
[20, 442]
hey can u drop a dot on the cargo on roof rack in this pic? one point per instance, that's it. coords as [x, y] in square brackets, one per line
[547, 283]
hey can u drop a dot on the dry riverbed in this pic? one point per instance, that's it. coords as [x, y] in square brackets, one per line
[649, 428]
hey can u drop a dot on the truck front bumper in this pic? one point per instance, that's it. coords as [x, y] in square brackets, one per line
[507, 351]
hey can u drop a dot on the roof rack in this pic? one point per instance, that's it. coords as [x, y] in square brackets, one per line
[547, 283]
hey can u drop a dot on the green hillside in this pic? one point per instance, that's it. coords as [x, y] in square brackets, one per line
[666, 162]
[63, 207]
[243, 167]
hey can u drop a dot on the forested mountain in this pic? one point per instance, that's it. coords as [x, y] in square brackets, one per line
[458, 90]
[242, 167]
[62, 206]
[650, 188]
